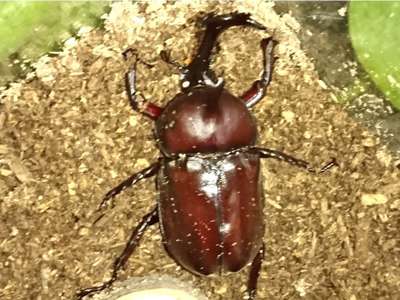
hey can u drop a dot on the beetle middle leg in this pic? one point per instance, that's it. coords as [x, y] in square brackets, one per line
[149, 219]
[133, 179]
[259, 87]
[269, 153]
[255, 273]
[151, 110]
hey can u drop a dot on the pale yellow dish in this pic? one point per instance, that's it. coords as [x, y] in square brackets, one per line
[158, 294]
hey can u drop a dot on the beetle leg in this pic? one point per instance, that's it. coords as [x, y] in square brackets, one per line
[255, 273]
[269, 153]
[149, 219]
[151, 110]
[259, 87]
[133, 179]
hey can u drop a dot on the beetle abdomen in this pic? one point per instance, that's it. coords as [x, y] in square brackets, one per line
[211, 211]
[242, 226]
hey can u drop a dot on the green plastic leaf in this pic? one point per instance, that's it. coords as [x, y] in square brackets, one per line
[375, 34]
[30, 28]
[28, 25]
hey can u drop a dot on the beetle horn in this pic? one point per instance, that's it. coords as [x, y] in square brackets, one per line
[193, 74]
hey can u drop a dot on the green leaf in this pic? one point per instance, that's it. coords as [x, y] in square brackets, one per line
[29, 29]
[375, 34]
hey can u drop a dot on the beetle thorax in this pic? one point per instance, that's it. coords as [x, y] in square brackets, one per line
[205, 120]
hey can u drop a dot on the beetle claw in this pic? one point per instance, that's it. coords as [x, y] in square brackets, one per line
[108, 200]
[89, 291]
[329, 165]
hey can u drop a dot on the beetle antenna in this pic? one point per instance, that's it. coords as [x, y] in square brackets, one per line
[131, 52]
[166, 57]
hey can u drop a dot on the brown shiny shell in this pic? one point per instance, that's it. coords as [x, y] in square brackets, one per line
[211, 211]
[205, 120]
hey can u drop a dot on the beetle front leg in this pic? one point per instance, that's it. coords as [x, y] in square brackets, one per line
[151, 110]
[259, 87]
[269, 153]
[133, 179]
[149, 219]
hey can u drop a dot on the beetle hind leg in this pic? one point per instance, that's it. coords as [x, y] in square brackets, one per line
[257, 91]
[255, 274]
[132, 180]
[149, 219]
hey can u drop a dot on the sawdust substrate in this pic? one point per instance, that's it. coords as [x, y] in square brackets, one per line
[67, 135]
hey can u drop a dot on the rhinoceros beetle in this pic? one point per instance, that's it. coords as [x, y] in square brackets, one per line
[210, 203]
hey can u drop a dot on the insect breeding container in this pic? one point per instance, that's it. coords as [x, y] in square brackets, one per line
[68, 135]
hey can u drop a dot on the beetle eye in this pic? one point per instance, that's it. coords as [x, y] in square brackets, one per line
[185, 84]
